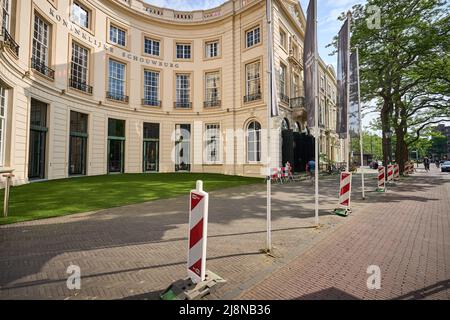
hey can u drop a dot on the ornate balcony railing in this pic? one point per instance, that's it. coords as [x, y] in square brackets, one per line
[82, 86]
[252, 97]
[117, 97]
[182, 104]
[9, 41]
[151, 102]
[212, 103]
[42, 68]
[297, 102]
[284, 98]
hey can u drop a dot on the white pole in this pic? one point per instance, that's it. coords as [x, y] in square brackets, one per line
[347, 155]
[361, 145]
[316, 123]
[269, 127]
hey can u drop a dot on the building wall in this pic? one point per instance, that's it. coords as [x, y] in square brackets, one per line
[227, 23]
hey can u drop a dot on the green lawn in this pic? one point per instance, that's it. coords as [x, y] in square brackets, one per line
[62, 197]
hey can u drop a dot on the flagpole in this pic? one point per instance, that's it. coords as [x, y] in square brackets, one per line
[269, 127]
[347, 147]
[316, 123]
[360, 125]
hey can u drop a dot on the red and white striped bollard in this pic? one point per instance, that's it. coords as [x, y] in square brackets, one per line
[198, 232]
[345, 190]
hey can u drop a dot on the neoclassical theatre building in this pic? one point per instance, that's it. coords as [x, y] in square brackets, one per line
[91, 87]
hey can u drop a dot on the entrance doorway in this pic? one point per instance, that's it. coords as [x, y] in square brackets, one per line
[38, 140]
[182, 147]
[78, 143]
[151, 147]
[116, 145]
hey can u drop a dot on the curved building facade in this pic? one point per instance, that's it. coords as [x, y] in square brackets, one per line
[120, 86]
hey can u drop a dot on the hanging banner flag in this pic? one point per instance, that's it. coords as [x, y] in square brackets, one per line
[354, 112]
[273, 83]
[343, 79]
[309, 63]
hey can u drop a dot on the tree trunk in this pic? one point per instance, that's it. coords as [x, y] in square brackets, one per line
[401, 149]
[385, 127]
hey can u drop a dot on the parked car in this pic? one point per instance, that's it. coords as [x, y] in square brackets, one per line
[445, 167]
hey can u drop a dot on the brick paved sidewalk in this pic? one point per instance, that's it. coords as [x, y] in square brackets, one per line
[407, 236]
[136, 251]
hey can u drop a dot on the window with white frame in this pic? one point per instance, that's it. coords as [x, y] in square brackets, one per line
[183, 90]
[183, 50]
[253, 37]
[253, 80]
[295, 86]
[116, 85]
[151, 88]
[152, 46]
[254, 142]
[3, 112]
[79, 66]
[212, 49]
[283, 89]
[212, 88]
[117, 35]
[6, 14]
[212, 143]
[80, 14]
[41, 39]
[283, 38]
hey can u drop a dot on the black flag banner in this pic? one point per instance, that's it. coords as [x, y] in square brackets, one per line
[354, 112]
[342, 79]
[309, 63]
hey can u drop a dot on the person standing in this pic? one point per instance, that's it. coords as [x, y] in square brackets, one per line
[426, 163]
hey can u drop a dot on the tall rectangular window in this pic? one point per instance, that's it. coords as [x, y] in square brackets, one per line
[3, 112]
[6, 14]
[183, 90]
[253, 37]
[116, 145]
[283, 88]
[116, 87]
[212, 89]
[212, 148]
[79, 68]
[151, 46]
[151, 88]
[183, 51]
[295, 86]
[41, 39]
[80, 15]
[117, 35]
[253, 81]
[78, 143]
[212, 49]
[283, 38]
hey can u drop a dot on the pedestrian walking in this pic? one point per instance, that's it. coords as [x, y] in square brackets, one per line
[310, 168]
[426, 163]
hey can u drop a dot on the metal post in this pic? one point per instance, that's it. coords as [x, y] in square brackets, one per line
[269, 127]
[316, 124]
[361, 144]
[8, 177]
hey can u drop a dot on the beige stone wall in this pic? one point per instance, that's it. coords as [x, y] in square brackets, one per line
[227, 23]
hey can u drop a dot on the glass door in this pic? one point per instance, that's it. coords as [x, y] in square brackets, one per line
[182, 147]
[151, 149]
[77, 157]
[38, 140]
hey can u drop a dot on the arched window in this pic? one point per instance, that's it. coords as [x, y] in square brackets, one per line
[296, 126]
[254, 142]
[285, 124]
